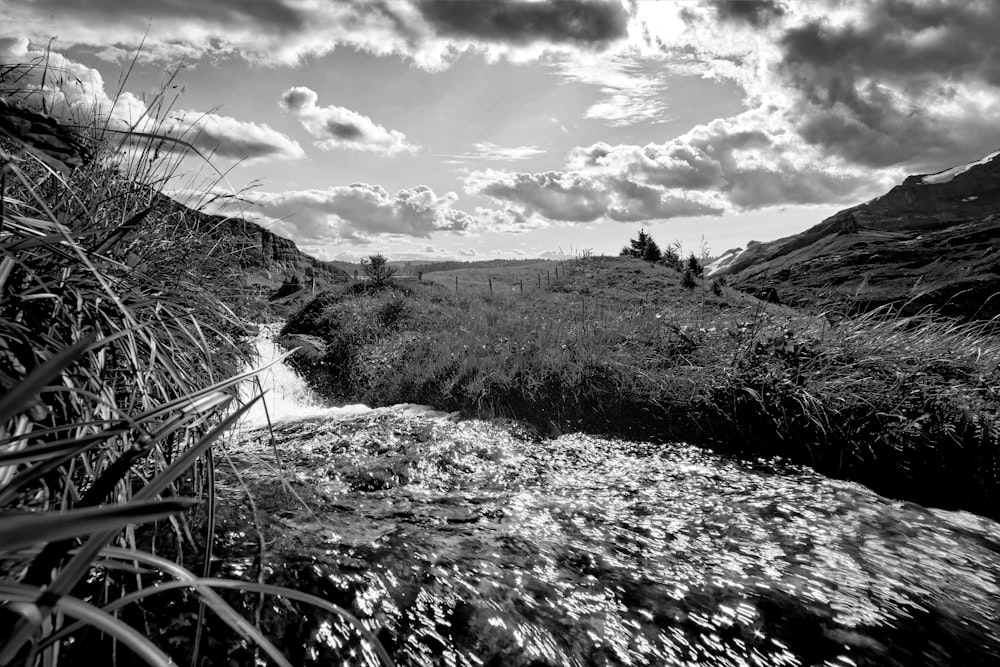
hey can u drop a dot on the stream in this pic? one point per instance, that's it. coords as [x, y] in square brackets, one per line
[471, 543]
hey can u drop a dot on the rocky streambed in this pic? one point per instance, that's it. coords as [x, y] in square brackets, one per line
[476, 543]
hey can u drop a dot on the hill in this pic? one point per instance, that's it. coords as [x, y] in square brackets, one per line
[931, 242]
[253, 270]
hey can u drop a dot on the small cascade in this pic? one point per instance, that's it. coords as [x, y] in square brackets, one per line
[287, 397]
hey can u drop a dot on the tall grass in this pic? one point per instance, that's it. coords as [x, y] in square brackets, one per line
[905, 405]
[119, 372]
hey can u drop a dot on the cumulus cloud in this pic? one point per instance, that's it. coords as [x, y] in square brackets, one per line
[73, 90]
[337, 127]
[580, 197]
[729, 164]
[359, 211]
[227, 137]
[900, 82]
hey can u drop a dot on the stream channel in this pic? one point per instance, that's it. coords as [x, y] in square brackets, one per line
[470, 543]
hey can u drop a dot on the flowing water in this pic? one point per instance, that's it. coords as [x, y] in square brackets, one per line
[475, 543]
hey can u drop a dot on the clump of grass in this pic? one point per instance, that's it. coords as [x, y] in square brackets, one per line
[119, 375]
[905, 405]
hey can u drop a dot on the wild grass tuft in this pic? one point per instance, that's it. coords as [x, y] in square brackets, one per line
[119, 373]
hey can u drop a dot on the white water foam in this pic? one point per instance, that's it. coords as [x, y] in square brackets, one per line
[287, 397]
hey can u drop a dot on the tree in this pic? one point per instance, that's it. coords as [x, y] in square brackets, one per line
[379, 272]
[671, 258]
[643, 247]
[694, 266]
[687, 280]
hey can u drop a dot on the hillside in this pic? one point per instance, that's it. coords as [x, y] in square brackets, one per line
[248, 266]
[931, 242]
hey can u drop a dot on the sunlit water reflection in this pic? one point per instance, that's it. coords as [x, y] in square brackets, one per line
[474, 544]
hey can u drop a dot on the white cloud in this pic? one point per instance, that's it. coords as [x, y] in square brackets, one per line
[73, 90]
[359, 211]
[489, 151]
[338, 127]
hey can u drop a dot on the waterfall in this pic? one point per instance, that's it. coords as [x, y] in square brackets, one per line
[287, 397]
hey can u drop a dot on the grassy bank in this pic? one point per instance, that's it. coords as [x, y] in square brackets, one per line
[118, 370]
[616, 345]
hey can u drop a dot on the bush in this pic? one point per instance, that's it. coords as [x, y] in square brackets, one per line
[687, 280]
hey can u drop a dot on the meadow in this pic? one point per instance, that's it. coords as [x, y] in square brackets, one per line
[618, 346]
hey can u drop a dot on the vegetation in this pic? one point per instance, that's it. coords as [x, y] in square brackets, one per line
[643, 247]
[119, 372]
[378, 271]
[905, 405]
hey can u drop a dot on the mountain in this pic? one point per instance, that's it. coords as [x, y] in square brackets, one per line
[931, 242]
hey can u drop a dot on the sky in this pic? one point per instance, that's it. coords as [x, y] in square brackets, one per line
[443, 129]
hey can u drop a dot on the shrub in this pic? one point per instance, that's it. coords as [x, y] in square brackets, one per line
[687, 280]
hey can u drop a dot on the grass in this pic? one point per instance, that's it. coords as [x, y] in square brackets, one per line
[907, 406]
[119, 369]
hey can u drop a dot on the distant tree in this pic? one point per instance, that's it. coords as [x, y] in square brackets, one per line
[651, 253]
[687, 280]
[717, 287]
[643, 247]
[671, 258]
[694, 266]
[379, 273]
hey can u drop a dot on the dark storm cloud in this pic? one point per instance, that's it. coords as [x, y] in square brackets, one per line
[754, 12]
[582, 22]
[871, 90]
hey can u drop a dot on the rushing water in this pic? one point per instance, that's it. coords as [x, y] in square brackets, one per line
[474, 543]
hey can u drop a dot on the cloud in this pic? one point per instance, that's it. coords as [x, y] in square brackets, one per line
[586, 23]
[430, 32]
[73, 90]
[467, 252]
[733, 164]
[227, 137]
[898, 83]
[580, 197]
[359, 211]
[489, 151]
[756, 13]
[337, 127]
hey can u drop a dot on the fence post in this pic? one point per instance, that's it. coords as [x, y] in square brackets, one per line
[539, 281]
[491, 285]
[521, 285]
[557, 273]
[548, 278]
[456, 283]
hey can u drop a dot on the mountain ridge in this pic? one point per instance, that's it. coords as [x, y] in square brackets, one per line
[933, 241]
